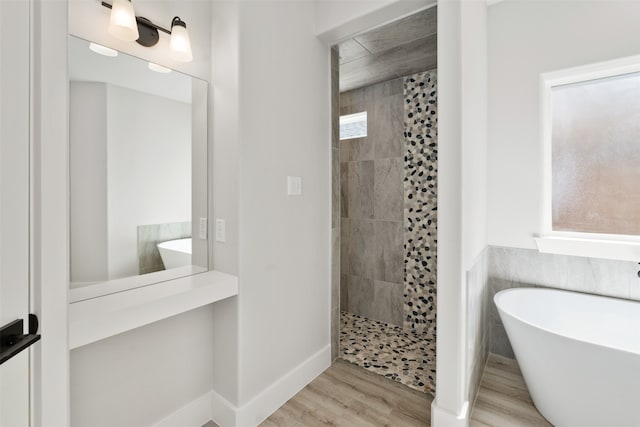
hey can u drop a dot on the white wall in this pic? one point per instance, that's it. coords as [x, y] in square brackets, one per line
[148, 170]
[462, 226]
[117, 382]
[225, 128]
[573, 33]
[284, 241]
[271, 119]
[88, 181]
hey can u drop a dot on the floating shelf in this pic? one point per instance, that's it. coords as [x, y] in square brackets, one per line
[95, 319]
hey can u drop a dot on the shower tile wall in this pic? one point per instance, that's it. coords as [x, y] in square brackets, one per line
[477, 322]
[420, 201]
[371, 175]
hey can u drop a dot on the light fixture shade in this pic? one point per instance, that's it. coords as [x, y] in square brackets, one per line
[180, 43]
[123, 23]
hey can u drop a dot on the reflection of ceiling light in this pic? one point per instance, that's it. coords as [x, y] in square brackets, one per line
[102, 50]
[123, 23]
[158, 68]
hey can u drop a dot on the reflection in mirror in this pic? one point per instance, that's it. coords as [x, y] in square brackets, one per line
[137, 144]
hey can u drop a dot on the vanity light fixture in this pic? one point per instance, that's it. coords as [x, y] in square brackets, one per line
[102, 50]
[125, 25]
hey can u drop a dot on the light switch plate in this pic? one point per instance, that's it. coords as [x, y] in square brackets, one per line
[221, 232]
[294, 186]
[202, 229]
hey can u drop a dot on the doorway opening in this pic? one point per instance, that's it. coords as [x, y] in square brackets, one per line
[385, 200]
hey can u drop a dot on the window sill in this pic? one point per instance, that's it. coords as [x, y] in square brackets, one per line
[592, 248]
[99, 318]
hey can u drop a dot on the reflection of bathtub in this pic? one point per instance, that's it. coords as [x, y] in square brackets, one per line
[175, 253]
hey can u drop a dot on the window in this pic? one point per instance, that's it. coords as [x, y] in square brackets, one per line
[353, 126]
[591, 141]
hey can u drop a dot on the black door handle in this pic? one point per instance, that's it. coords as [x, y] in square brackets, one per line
[13, 341]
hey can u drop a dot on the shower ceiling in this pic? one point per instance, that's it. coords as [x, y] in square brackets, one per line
[394, 50]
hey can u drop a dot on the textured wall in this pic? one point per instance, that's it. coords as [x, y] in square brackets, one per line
[420, 201]
[389, 204]
[512, 267]
[372, 205]
[477, 323]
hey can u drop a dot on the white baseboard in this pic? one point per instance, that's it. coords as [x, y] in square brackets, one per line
[441, 417]
[212, 406]
[223, 412]
[195, 413]
[273, 397]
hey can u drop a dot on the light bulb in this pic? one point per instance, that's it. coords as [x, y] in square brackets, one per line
[123, 23]
[180, 44]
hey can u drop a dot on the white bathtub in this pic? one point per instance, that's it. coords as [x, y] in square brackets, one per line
[579, 354]
[175, 253]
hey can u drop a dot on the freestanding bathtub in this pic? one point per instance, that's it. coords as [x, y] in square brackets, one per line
[175, 253]
[579, 354]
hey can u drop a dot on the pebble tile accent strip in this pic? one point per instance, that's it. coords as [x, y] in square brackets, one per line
[387, 350]
[420, 202]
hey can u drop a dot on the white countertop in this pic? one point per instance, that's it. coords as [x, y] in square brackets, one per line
[95, 319]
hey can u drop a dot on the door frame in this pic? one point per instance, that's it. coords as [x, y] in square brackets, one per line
[49, 211]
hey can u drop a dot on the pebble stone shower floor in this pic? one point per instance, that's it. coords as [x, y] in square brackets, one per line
[389, 351]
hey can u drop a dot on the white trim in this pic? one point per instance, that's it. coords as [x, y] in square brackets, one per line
[99, 318]
[440, 417]
[223, 412]
[609, 246]
[259, 408]
[50, 233]
[605, 249]
[273, 397]
[376, 18]
[194, 414]
[86, 290]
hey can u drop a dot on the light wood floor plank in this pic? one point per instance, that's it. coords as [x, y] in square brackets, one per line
[503, 399]
[347, 395]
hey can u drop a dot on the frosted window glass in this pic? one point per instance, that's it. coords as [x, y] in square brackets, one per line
[596, 156]
[353, 126]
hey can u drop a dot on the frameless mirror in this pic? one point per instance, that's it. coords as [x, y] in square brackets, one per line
[138, 172]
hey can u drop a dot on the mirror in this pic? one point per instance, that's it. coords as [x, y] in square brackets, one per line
[138, 172]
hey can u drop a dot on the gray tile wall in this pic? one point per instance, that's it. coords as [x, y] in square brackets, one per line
[335, 205]
[371, 205]
[514, 267]
[477, 322]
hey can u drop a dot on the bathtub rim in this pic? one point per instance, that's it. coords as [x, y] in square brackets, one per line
[166, 245]
[501, 311]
